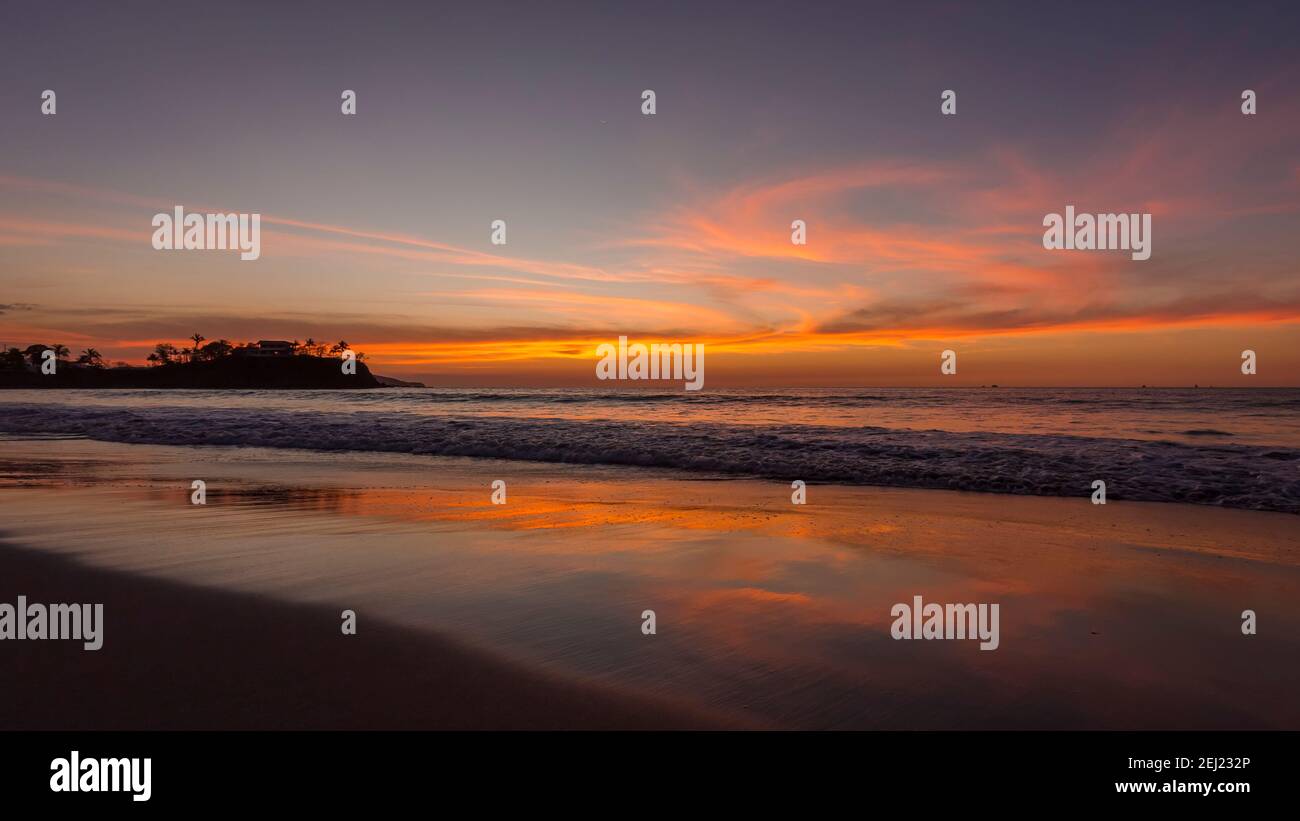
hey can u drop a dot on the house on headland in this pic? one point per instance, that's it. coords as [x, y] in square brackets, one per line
[268, 347]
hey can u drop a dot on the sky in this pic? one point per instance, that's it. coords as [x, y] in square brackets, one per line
[924, 231]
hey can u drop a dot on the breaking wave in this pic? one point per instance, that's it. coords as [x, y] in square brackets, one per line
[1232, 475]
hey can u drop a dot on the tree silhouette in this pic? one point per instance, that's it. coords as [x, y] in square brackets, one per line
[166, 353]
[34, 353]
[12, 359]
[198, 340]
[216, 350]
[91, 357]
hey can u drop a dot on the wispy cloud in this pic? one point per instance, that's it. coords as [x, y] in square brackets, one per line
[899, 250]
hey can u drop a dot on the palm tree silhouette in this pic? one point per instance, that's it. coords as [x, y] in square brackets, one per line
[34, 354]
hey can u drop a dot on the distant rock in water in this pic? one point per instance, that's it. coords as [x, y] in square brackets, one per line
[231, 372]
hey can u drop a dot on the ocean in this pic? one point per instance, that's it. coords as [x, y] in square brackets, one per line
[1227, 447]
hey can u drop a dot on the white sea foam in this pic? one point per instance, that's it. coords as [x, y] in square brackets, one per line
[1218, 473]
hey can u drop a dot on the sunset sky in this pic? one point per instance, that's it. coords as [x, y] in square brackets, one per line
[924, 230]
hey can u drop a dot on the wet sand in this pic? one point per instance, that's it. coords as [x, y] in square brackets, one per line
[182, 657]
[768, 614]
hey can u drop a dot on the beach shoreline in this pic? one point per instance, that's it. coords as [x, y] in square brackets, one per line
[1232, 449]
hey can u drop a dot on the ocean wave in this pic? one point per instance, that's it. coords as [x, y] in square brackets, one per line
[1103, 398]
[1260, 478]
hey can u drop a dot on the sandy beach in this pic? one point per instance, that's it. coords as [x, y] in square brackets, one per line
[529, 614]
[192, 658]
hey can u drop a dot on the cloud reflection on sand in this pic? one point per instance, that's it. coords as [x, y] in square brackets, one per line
[1119, 616]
